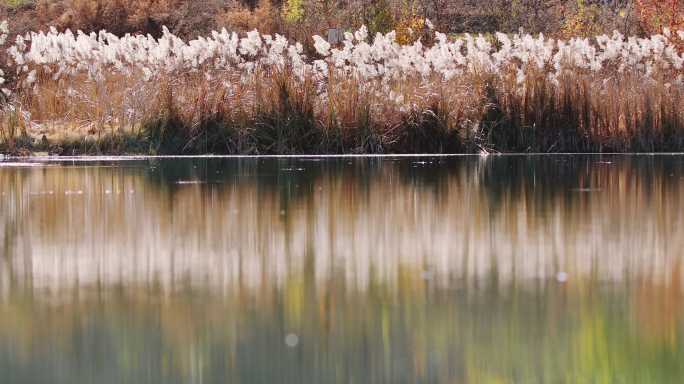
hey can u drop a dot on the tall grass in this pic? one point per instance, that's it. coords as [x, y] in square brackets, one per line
[259, 94]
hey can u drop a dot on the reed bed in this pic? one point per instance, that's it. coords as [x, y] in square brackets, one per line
[260, 94]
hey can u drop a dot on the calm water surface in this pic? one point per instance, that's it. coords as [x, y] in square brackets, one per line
[556, 269]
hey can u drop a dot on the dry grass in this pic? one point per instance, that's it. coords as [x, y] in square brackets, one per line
[273, 112]
[624, 114]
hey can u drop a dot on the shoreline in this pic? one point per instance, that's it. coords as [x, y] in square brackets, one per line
[45, 158]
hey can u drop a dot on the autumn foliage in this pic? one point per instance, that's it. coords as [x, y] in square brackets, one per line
[658, 14]
[118, 16]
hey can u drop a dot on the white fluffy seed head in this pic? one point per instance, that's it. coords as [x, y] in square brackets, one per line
[383, 60]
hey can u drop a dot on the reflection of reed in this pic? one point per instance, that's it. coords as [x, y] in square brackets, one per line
[386, 272]
[462, 220]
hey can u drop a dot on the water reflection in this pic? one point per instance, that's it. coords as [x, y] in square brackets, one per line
[505, 269]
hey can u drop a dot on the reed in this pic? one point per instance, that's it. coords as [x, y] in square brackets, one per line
[260, 94]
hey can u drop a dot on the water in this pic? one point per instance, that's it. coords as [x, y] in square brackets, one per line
[542, 269]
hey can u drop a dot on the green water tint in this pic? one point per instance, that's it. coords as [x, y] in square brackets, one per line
[546, 269]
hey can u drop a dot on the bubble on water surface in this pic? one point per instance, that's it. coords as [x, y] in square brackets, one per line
[562, 277]
[291, 340]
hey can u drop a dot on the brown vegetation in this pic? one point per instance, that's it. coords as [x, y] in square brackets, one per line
[276, 113]
[191, 18]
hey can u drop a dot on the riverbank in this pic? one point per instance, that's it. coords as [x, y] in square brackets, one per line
[260, 94]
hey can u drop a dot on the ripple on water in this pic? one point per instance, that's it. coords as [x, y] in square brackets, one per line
[22, 164]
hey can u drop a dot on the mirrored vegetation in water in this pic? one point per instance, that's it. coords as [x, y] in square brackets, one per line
[456, 269]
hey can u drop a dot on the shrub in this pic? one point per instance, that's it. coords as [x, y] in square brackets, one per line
[117, 16]
[264, 16]
[294, 11]
[379, 18]
[658, 14]
[583, 21]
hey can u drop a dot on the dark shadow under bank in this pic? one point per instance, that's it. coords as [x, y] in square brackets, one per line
[422, 132]
[143, 145]
[541, 122]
